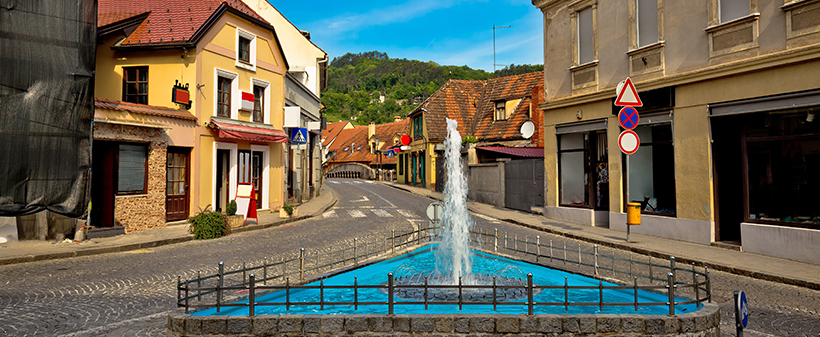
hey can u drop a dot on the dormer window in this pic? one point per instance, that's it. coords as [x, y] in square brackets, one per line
[245, 50]
[500, 110]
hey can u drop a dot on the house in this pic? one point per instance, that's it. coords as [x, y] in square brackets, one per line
[728, 137]
[305, 80]
[492, 112]
[190, 103]
[365, 149]
[330, 134]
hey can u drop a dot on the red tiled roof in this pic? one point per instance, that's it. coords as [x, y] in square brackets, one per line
[504, 89]
[332, 132]
[529, 152]
[358, 136]
[456, 100]
[102, 103]
[169, 22]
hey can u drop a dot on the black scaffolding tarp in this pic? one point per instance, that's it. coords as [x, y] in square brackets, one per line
[47, 55]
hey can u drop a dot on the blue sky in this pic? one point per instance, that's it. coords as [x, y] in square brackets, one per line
[448, 32]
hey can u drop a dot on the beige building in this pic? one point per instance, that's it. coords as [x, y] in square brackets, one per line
[730, 147]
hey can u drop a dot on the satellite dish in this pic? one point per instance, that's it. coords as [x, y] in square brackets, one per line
[527, 129]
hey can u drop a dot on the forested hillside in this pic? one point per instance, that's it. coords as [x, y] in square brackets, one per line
[356, 83]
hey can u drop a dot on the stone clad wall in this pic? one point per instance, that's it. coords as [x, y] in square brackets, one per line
[140, 212]
[704, 322]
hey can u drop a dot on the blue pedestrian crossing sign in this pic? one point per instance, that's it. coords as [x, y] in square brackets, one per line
[298, 135]
[391, 154]
[628, 117]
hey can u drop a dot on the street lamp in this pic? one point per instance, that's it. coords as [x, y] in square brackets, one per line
[378, 176]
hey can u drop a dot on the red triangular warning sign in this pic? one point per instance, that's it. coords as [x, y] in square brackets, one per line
[628, 95]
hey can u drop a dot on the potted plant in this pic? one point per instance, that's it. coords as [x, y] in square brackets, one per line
[287, 211]
[233, 220]
[207, 224]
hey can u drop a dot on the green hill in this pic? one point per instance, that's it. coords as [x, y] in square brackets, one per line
[356, 83]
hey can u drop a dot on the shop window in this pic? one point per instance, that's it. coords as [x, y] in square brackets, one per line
[651, 171]
[135, 85]
[583, 171]
[783, 159]
[132, 164]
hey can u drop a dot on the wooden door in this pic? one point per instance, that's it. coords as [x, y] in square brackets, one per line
[177, 182]
[256, 176]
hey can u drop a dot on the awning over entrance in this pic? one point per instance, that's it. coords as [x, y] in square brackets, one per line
[226, 128]
[529, 152]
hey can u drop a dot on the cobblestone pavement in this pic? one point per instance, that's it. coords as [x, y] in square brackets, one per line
[129, 293]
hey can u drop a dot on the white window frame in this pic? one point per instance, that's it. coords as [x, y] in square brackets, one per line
[252, 56]
[236, 96]
[265, 172]
[499, 114]
[232, 172]
[266, 103]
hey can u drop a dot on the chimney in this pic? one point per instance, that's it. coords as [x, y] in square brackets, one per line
[371, 130]
[537, 115]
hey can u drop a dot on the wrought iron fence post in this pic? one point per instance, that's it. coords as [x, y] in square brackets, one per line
[425, 292]
[550, 250]
[526, 246]
[179, 288]
[708, 284]
[565, 253]
[287, 294]
[671, 286]
[697, 291]
[218, 292]
[529, 293]
[355, 293]
[566, 295]
[515, 243]
[613, 262]
[537, 248]
[494, 292]
[393, 241]
[495, 245]
[265, 273]
[221, 280]
[301, 264]
[390, 293]
[579, 256]
[651, 278]
[693, 272]
[198, 284]
[251, 294]
[672, 269]
[635, 287]
[322, 294]
[459, 293]
[600, 295]
[505, 241]
[630, 265]
[595, 255]
[187, 283]
[244, 273]
[284, 268]
[356, 251]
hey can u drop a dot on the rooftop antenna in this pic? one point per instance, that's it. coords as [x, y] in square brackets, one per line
[494, 28]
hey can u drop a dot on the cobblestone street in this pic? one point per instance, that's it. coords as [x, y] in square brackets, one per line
[130, 293]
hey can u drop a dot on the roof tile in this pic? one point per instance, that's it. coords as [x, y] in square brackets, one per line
[107, 104]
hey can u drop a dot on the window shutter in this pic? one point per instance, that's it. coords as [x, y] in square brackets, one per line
[585, 36]
[647, 22]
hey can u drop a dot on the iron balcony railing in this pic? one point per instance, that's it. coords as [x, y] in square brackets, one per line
[212, 294]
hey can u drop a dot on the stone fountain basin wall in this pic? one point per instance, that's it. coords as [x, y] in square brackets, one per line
[704, 322]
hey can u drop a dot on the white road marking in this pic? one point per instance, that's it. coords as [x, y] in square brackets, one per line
[333, 182]
[364, 198]
[381, 213]
[406, 213]
[356, 213]
[330, 214]
[492, 220]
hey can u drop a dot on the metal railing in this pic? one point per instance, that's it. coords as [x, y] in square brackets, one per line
[213, 294]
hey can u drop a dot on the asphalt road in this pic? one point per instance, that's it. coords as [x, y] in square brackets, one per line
[129, 293]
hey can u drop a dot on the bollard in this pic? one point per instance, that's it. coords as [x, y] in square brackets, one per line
[671, 286]
[220, 280]
[529, 293]
[251, 294]
[390, 293]
[537, 248]
[495, 246]
[393, 242]
[218, 292]
[672, 269]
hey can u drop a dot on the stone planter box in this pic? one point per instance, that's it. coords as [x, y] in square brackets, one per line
[234, 221]
[283, 214]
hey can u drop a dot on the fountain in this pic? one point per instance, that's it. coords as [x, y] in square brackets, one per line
[453, 258]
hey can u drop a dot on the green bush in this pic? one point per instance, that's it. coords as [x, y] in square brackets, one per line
[288, 209]
[231, 208]
[207, 224]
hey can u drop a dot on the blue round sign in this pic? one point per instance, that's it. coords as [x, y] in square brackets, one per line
[628, 117]
[742, 310]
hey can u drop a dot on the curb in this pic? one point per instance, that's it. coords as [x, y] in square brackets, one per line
[621, 246]
[151, 244]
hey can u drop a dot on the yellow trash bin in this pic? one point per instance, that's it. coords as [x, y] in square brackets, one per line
[633, 213]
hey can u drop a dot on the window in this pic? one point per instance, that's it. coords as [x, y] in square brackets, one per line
[223, 102]
[417, 128]
[651, 170]
[647, 21]
[783, 158]
[584, 177]
[729, 10]
[258, 104]
[585, 36]
[132, 163]
[135, 85]
[244, 49]
[500, 111]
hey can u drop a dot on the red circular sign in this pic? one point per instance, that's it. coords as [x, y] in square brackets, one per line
[628, 117]
[405, 140]
[629, 142]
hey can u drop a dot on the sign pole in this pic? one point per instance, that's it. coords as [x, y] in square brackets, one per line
[741, 312]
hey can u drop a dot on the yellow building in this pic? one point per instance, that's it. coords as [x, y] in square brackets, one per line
[728, 140]
[190, 98]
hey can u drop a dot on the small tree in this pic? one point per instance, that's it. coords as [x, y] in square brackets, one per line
[288, 209]
[207, 224]
[231, 208]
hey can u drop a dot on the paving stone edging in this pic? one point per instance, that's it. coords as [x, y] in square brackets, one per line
[704, 322]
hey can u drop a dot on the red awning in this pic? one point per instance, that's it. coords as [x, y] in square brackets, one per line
[528, 152]
[249, 133]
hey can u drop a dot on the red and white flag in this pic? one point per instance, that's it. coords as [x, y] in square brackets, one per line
[247, 101]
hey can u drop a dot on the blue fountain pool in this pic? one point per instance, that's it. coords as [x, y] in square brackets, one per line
[376, 274]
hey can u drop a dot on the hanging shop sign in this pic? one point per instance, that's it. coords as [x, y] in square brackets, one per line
[180, 94]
